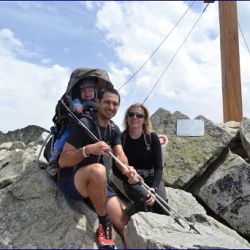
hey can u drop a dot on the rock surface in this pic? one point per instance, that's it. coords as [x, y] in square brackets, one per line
[245, 134]
[203, 166]
[187, 158]
[227, 192]
[145, 231]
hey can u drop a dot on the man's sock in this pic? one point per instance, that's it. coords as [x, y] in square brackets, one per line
[104, 220]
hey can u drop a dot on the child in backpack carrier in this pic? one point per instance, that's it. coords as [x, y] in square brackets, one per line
[87, 101]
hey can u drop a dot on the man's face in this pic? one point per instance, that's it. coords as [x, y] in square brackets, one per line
[108, 105]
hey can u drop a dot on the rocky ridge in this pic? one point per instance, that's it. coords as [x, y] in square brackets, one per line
[35, 214]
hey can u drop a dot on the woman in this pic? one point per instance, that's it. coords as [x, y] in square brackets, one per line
[143, 150]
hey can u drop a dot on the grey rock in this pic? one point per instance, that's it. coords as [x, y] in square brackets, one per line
[26, 135]
[42, 138]
[145, 231]
[163, 119]
[187, 158]
[232, 127]
[6, 145]
[227, 192]
[245, 134]
[10, 167]
[34, 213]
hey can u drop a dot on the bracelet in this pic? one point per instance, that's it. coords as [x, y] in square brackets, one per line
[84, 152]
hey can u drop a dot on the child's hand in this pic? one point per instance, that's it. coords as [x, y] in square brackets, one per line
[79, 110]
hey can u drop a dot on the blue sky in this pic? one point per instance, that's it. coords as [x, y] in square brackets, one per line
[41, 43]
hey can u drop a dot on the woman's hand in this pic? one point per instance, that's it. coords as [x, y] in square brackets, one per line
[133, 176]
[150, 199]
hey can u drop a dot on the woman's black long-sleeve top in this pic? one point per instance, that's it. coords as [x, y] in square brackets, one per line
[142, 157]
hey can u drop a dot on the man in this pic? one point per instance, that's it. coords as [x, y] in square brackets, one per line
[89, 181]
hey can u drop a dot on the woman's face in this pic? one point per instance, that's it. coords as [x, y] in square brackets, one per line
[136, 117]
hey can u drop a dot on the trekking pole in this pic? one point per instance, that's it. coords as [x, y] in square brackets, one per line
[191, 225]
[157, 197]
[166, 207]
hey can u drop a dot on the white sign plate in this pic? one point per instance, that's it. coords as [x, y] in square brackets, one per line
[187, 127]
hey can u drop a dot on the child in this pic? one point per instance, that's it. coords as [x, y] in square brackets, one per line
[87, 97]
[80, 105]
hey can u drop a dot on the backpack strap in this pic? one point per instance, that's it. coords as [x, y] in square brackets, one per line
[124, 137]
[148, 140]
[112, 129]
[111, 132]
[87, 118]
[91, 116]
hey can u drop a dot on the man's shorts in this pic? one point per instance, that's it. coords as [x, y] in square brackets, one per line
[67, 186]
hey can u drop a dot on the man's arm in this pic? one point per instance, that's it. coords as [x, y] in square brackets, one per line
[70, 156]
[119, 153]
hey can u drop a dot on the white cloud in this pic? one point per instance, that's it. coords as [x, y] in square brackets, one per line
[132, 30]
[28, 92]
[9, 37]
[10, 45]
[192, 82]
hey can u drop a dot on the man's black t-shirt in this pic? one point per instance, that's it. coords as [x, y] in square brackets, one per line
[79, 137]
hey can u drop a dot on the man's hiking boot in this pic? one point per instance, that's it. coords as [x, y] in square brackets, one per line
[104, 237]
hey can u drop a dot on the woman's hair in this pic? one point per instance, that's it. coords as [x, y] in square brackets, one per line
[147, 126]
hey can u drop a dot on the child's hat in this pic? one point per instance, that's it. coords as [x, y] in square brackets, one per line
[87, 83]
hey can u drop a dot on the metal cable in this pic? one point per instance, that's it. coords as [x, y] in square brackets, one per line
[165, 69]
[244, 38]
[157, 48]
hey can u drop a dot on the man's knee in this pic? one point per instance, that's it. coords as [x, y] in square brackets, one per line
[98, 170]
[94, 172]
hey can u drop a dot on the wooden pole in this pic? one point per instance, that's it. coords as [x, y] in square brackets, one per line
[230, 62]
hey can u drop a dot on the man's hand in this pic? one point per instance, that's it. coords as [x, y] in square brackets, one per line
[99, 148]
[133, 176]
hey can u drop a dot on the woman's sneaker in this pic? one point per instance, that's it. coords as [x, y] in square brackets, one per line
[104, 237]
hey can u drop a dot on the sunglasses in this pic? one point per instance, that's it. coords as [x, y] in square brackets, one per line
[136, 115]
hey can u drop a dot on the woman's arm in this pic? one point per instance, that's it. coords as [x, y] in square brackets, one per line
[157, 160]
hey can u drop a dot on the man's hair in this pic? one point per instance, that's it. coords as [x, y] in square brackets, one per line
[107, 90]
